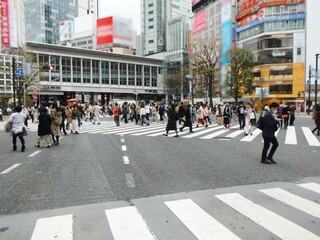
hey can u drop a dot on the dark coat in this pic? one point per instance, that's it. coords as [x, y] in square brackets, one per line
[270, 125]
[172, 120]
[44, 127]
[187, 114]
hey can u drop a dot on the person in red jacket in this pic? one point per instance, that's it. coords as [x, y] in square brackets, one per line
[116, 112]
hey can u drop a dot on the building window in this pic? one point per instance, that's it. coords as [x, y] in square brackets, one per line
[154, 77]
[150, 41]
[131, 74]
[298, 51]
[95, 72]
[66, 69]
[150, 27]
[150, 19]
[104, 72]
[76, 65]
[86, 68]
[150, 5]
[139, 75]
[114, 73]
[43, 61]
[123, 74]
[146, 74]
[150, 12]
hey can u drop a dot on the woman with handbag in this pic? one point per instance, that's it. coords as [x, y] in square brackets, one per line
[56, 120]
[17, 128]
[250, 119]
[44, 129]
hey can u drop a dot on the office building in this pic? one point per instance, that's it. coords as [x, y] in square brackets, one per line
[275, 32]
[43, 19]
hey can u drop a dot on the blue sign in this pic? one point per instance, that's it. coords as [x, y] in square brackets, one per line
[308, 82]
[19, 73]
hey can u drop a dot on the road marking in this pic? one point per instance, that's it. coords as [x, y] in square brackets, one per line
[294, 201]
[315, 187]
[291, 137]
[199, 222]
[234, 134]
[126, 160]
[142, 129]
[11, 168]
[249, 138]
[130, 180]
[124, 148]
[35, 153]
[122, 140]
[215, 134]
[53, 228]
[312, 139]
[127, 223]
[271, 221]
[203, 132]
[151, 131]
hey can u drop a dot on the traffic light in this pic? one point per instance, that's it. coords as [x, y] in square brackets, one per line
[48, 68]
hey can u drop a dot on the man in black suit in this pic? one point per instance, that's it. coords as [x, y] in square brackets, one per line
[187, 122]
[270, 126]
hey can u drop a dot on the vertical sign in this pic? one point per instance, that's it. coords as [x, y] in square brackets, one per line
[5, 28]
[13, 23]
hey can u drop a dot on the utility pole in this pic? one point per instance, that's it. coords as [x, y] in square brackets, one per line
[14, 81]
[309, 87]
[316, 81]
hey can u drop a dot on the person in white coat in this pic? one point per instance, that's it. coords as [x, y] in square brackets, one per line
[96, 111]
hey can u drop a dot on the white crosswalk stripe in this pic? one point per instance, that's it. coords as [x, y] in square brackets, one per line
[198, 219]
[292, 135]
[199, 222]
[59, 227]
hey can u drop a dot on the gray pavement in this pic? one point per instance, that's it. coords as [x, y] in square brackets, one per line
[100, 170]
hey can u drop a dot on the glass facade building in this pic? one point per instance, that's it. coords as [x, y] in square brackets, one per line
[275, 32]
[43, 19]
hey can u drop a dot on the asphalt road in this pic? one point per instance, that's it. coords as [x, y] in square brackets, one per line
[106, 168]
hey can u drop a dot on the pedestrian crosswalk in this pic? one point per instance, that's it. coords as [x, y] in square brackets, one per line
[280, 211]
[291, 136]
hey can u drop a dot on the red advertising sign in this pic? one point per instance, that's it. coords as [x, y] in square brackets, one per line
[281, 2]
[200, 22]
[5, 28]
[248, 4]
[105, 30]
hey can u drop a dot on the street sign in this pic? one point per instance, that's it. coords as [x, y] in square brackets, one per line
[19, 73]
[309, 82]
[135, 91]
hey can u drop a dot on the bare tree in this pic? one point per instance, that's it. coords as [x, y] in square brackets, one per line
[204, 58]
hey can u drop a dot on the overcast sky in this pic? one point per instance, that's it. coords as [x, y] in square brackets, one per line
[122, 8]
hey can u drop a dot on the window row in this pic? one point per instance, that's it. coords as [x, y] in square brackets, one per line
[89, 71]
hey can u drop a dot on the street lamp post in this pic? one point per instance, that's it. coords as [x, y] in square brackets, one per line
[309, 88]
[14, 81]
[316, 81]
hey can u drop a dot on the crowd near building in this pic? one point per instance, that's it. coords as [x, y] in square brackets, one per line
[101, 58]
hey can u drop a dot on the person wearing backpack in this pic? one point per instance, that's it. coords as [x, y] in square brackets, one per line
[270, 126]
[241, 111]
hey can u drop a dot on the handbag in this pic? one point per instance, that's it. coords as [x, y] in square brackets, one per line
[17, 130]
[7, 127]
[24, 131]
[285, 115]
[252, 116]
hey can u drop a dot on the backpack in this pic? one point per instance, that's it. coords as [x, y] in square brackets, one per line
[315, 116]
[259, 123]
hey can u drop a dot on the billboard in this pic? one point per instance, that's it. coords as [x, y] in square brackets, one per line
[194, 2]
[104, 30]
[199, 22]
[66, 31]
[226, 29]
[114, 30]
[9, 23]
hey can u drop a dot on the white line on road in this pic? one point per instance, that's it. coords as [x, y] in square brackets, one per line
[199, 222]
[291, 137]
[315, 187]
[312, 139]
[271, 221]
[293, 200]
[127, 223]
[126, 160]
[130, 180]
[53, 228]
[124, 148]
[122, 140]
[35, 153]
[11, 168]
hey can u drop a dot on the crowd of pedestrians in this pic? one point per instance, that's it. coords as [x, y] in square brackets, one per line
[54, 120]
